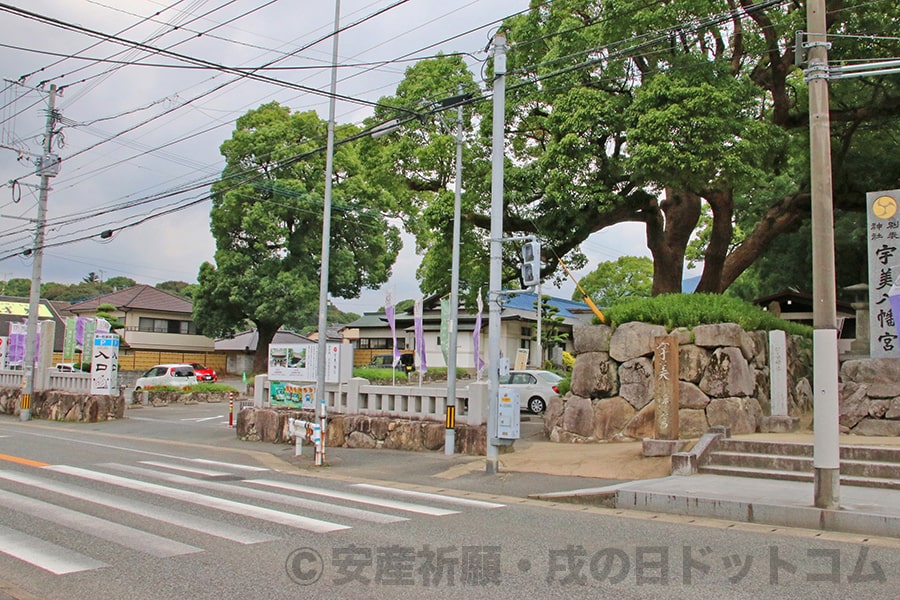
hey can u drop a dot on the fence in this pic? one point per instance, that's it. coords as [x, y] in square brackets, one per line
[141, 360]
[358, 397]
[70, 382]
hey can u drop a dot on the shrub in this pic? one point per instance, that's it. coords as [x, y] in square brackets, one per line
[690, 310]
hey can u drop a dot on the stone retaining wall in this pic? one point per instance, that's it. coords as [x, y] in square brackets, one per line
[870, 396]
[360, 431]
[723, 379]
[54, 405]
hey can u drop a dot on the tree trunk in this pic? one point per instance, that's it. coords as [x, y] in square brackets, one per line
[783, 217]
[722, 205]
[668, 232]
[265, 334]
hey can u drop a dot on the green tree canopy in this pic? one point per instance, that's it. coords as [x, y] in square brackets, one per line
[625, 278]
[266, 218]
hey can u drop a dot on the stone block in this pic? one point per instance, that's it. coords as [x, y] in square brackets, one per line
[779, 424]
[652, 447]
[610, 417]
[718, 334]
[631, 340]
[636, 382]
[728, 374]
[877, 427]
[591, 338]
[594, 376]
[578, 417]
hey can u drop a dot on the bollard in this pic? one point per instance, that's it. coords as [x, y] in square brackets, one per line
[231, 409]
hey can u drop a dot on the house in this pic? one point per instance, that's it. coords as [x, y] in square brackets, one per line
[792, 305]
[155, 320]
[240, 348]
[518, 329]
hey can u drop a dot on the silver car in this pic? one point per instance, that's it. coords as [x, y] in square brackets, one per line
[175, 375]
[535, 387]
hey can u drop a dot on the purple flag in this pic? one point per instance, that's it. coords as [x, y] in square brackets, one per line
[476, 337]
[389, 311]
[16, 352]
[420, 336]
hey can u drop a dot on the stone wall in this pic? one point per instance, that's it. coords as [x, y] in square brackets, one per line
[360, 431]
[723, 379]
[870, 396]
[56, 405]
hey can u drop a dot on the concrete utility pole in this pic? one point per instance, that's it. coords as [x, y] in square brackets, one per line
[450, 429]
[826, 445]
[326, 244]
[37, 256]
[496, 254]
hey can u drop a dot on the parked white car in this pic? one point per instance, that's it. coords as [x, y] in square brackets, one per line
[175, 375]
[535, 387]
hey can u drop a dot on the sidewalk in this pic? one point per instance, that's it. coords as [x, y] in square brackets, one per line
[618, 475]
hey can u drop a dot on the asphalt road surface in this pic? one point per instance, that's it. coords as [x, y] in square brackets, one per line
[167, 504]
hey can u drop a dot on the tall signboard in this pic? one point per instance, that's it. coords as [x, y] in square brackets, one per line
[293, 368]
[105, 364]
[884, 270]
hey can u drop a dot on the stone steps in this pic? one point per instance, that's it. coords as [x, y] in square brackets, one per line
[867, 466]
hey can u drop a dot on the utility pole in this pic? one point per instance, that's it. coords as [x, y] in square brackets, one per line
[496, 253]
[826, 445]
[46, 170]
[326, 244]
[450, 429]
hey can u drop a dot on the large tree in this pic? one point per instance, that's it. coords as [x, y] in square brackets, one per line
[266, 218]
[688, 116]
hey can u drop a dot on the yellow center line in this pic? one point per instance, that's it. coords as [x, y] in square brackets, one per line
[23, 461]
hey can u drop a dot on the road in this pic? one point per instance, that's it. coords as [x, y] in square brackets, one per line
[168, 504]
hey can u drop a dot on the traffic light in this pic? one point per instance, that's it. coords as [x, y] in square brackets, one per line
[530, 267]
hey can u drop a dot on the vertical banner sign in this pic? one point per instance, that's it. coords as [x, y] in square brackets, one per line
[16, 353]
[391, 318]
[445, 328]
[476, 337]
[105, 364]
[665, 387]
[69, 343]
[420, 336]
[884, 270]
[90, 327]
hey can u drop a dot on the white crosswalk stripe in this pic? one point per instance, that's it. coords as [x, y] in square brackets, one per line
[248, 510]
[128, 537]
[47, 556]
[212, 485]
[338, 495]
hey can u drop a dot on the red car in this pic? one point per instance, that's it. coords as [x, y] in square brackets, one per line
[204, 374]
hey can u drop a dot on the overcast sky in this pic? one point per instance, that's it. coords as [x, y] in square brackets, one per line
[132, 133]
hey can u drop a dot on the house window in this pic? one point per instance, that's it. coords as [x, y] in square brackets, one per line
[380, 343]
[166, 326]
[526, 332]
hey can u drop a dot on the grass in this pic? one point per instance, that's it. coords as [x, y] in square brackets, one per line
[690, 310]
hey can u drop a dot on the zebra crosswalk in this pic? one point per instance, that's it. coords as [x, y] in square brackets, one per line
[194, 496]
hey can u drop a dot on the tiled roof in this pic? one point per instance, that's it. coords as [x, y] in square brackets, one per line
[138, 297]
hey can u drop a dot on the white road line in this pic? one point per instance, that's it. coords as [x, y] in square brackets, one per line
[227, 464]
[395, 504]
[200, 420]
[429, 496]
[45, 555]
[122, 535]
[334, 509]
[186, 469]
[142, 509]
[238, 508]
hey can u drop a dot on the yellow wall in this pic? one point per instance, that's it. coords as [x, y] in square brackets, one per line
[143, 360]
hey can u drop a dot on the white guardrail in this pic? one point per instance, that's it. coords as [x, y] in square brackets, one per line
[69, 382]
[358, 397]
